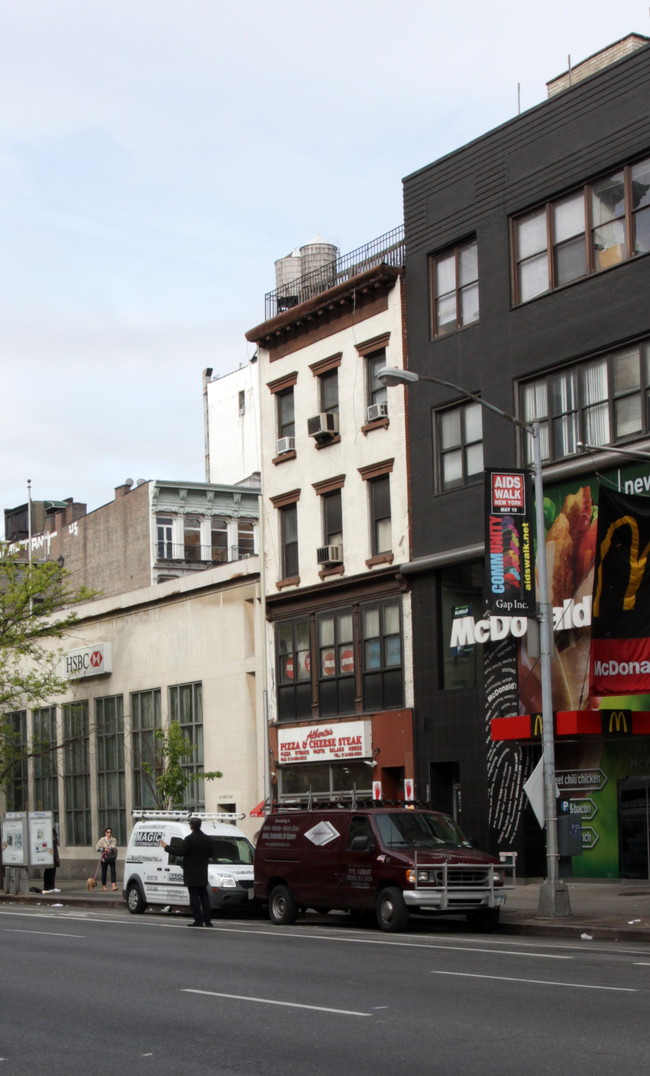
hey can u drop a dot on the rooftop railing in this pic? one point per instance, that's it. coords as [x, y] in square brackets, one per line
[387, 249]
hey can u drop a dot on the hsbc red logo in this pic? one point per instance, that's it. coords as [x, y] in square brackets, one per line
[96, 659]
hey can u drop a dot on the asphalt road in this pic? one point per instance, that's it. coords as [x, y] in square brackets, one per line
[100, 990]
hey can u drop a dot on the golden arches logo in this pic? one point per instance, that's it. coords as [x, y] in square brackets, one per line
[537, 727]
[637, 564]
[618, 721]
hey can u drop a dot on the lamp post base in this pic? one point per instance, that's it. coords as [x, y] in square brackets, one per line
[554, 900]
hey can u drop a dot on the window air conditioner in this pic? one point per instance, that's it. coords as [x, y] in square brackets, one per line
[286, 444]
[376, 411]
[330, 554]
[323, 426]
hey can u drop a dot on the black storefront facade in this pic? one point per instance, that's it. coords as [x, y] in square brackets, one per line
[528, 283]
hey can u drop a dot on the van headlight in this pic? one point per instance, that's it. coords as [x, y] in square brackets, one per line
[226, 881]
[498, 877]
[420, 877]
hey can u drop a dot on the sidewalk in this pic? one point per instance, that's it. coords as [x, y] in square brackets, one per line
[615, 910]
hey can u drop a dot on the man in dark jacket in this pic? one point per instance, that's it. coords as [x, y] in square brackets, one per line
[195, 853]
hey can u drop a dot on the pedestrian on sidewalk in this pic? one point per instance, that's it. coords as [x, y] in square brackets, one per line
[195, 852]
[107, 846]
[49, 874]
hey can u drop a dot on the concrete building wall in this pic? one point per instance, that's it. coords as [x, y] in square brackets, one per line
[202, 628]
[232, 426]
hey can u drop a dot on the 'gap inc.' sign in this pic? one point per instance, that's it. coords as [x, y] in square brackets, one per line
[95, 660]
[322, 743]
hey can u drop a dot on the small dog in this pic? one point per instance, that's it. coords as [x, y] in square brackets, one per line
[91, 884]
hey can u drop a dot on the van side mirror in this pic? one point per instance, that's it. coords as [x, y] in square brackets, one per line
[360, 843]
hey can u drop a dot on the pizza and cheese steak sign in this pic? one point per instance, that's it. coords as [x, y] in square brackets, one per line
[324, 743]
[93, 660]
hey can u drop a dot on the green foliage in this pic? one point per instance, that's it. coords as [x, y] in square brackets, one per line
[35, 606]
[167, 778]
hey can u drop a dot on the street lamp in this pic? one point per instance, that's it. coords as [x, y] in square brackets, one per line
[553, 895]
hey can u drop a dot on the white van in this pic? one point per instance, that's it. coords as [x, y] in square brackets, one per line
[153, 876]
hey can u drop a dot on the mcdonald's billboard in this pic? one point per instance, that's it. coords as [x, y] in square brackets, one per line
[620, 627]
[510, 567]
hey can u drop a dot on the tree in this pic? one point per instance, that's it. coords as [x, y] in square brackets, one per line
[168, 779]
[35, 607]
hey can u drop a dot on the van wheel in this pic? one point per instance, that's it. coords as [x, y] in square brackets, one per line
[483, 919]
[283, 909]
[135, 902]
[392, 913]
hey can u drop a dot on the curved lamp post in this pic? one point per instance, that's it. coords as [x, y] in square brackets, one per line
[554, 895]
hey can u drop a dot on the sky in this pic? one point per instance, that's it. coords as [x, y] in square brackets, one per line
[158, 156]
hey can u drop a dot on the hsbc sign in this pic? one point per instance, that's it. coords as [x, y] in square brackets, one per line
[93, 660]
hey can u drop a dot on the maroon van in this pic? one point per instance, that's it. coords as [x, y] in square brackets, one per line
[387, 860]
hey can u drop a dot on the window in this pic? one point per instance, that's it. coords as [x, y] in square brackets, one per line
[329, 392]
[379, 489]
[219, 541]
[76, 774]
[46, 788]
[16, 782]
[595, 227]
[242, 401]
[111, 789]
[599, 401]
[454, 289]
[293, 669]
[336, 680]
[326, 779]
[460, 595]
[245, 539]
[285, 413]
[357, 662]
[186, 707]
[383, 687]
[640, 175]
[332, 518]
[192, 538]
[289, 541]
[164, 526]
[145, 718]
[376, 392]
[458, 436]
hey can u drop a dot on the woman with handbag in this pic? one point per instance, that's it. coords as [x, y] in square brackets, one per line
[107, 845]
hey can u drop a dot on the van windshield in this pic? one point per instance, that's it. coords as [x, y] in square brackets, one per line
[231, 850]
[411, 829]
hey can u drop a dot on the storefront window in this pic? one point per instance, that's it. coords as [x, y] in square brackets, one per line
[461, 595]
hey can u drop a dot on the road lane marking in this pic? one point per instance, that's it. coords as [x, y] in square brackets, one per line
[537, 982]
[271, 1001]
[50, 933]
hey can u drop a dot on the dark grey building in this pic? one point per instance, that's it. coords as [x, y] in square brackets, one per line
[529, 283]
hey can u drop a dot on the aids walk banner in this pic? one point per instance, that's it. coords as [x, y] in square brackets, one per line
[510, 568]
[620, 627]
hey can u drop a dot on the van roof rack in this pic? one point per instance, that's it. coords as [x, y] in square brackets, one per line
[146, 815]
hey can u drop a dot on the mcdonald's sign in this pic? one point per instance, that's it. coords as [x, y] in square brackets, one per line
[620, 627]
[618, 721]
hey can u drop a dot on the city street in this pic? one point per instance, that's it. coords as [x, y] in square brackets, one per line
[100, 989]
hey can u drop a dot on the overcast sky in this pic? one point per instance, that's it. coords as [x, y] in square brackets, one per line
[157, 157]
